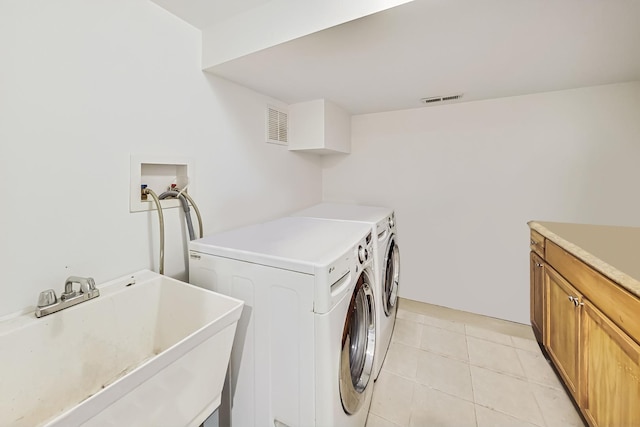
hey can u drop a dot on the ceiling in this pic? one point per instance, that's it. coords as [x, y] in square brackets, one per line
[484, 49]
[203, 13]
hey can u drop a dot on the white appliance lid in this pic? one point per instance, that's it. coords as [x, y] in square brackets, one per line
[292, 243]
[345, 211]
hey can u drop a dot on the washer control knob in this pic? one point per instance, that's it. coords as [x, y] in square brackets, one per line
[392, 222]
[362, 254]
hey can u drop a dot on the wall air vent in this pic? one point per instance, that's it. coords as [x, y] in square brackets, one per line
[436, 99]
[277, 125]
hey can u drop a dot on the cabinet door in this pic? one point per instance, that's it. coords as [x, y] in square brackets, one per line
[537, 295]
[562, 326]
[610, 367]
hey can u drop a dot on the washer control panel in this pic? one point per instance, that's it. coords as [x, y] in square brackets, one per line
[392, 220]
[364, 250]
[363, 254]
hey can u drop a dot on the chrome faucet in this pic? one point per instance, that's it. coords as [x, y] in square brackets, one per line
[48, 302]
[87, 284]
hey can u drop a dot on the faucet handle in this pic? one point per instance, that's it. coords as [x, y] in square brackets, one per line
[47, 298]
[88, 285]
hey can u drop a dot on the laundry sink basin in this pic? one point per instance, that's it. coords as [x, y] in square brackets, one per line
[150, 351]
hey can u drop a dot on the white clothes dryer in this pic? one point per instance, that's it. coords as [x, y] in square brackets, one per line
[386, 261]
[305, 343]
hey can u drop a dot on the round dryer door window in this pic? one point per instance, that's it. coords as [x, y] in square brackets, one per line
[392, 277]
[358, 345]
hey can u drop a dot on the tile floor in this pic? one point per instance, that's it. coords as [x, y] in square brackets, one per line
[449, 368]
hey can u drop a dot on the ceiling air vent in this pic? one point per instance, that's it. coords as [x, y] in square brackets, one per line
[436, 99]
[277, 125]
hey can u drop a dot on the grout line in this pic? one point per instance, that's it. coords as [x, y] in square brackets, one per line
[380, 416]
[533, 380]
[413, 396]
[448, 356]
[473, 389]
[466, 344]
[491, 341]
[544, 420]
[507, 374]
[511, 416]
[445, 329]
[475, 414]
[522, 365]
[434, 326]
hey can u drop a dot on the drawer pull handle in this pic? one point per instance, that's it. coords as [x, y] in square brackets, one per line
[575, 301]
[538, 264]
[533, 242]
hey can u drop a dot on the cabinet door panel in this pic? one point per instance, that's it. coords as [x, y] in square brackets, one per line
[537, 295]
[610, 367]
[562, 327]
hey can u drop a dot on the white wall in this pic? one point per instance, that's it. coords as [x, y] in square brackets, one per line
[83, 85]
[465, 178]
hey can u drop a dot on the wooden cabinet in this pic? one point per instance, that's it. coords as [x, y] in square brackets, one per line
[537, 243]
[537, 295]
[561, 340]
[591, 332]
[610, 368]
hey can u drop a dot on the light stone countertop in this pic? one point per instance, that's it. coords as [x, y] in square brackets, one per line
[612, 250]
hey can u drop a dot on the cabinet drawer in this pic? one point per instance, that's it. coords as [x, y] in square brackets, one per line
[537, 243]
[614, 301]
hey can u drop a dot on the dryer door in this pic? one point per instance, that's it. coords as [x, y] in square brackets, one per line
[358, 345]
[391, 277]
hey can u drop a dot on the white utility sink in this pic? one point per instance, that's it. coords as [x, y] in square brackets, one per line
[153, 353]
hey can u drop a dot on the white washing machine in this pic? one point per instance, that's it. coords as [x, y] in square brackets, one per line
[386, 262]
[304, 348]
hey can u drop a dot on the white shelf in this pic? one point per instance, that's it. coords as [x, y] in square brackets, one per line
[320, 127]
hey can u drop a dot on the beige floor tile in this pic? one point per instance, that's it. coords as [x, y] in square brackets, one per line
[504, 327]
[409, 315]
[436, 352]
[375, 421]
[402, 360]
[488, 335]
[392, 395]
[506, 394]
[557, 408]
[537, 369]
[444, 342]
[449, 325]
[489, 418]
[445, 374]
[407, 332]
[436, 409]
[497, 325]
[526, 344]
[497, 357]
